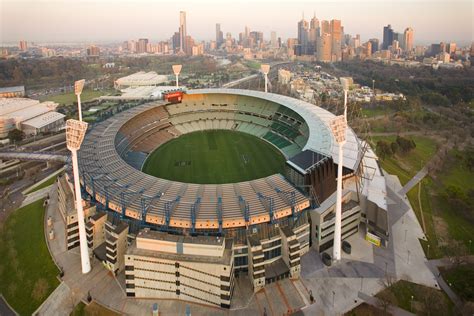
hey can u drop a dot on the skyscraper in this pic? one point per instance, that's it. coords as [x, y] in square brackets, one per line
[273, 39]
[313, 35]
[303, 30]
[23, 46]
[408, 39]
[142, 45]
[219, 35]
[182, 31]
[324, 47]
[336, 40]
[375, 44]
[387, 36]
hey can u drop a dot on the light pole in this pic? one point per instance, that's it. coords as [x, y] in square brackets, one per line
[75, 132]
[78, 86]
[265, 68]
[338, 127]
[177, 70]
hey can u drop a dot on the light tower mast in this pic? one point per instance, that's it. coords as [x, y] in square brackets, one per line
[338, 127]
[265, 68]
[75, 132]
[177, 70]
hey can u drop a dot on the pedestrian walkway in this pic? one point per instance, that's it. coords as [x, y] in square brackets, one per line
[414, 181]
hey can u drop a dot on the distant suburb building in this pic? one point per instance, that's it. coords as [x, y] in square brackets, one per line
[30, 116]
[140, 78]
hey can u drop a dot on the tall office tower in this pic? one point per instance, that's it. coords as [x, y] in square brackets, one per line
[375, 44]
[219, 35]
[324, 47]
[368, 49]
[93, 51]
[273, 39]
[291, 45]
[176, 42]
[142, 45]
[188, 44]
[182, 31]
[356, 41]
[336, 40]
[313, 35]
[451, 48]
[23, 46]
[325, 27]
[408, 39]
[387, 36]
[303, 30]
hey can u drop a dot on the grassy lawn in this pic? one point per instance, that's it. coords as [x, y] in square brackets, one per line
[365, 309]
[27, 272]
[459, 227]
[253, 64]
[214, 157]
[462, 280]
[405, 166]
[376, 111]
[425, 299]
[43, 185]
[92, 309]
[70, 97]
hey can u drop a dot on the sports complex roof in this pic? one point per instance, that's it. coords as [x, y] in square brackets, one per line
[135, 194]
[141, 78]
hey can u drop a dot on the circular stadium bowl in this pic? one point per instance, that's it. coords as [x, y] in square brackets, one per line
[114, 151]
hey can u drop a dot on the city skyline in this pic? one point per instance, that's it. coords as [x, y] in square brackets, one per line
[365, 19]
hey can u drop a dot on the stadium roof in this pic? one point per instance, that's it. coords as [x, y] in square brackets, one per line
[322, 141]
[22, 109]
[141, 78]
[13, 89]
[44, 119]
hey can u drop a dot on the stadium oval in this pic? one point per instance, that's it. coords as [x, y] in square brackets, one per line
[113, 152]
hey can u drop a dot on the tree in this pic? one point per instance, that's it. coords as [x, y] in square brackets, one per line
[383, 149]
[16, 135]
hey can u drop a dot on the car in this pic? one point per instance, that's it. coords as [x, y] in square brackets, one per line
[327, 260]
[346, 247]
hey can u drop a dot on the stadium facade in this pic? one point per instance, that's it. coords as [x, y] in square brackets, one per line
[189, 241]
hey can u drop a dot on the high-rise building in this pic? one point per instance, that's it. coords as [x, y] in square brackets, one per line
[182, 31]
[387, 36]
[451, 48]
[176, 42]
[23, 46]
[219, 35]
[313, 35]
[324, 47]
[408, 39]
[374, 44]
[93, 51]
[336, 40]
[303, 32]
[142, 45]
[273, 39]
[325, 27]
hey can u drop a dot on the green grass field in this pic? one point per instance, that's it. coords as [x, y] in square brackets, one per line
[214, 157]
[70, 98]
[43, 185]
[27, 272]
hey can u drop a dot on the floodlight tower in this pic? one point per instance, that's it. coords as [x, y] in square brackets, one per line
[338, 127]
[265, 68]
[177, 70]
[75, 132]
[78, 86]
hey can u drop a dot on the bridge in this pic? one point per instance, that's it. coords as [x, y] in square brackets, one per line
[35, 156]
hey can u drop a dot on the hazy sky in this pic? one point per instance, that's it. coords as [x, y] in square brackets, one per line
[112, 20]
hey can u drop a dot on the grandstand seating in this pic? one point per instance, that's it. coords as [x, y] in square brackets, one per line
[132, 134]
